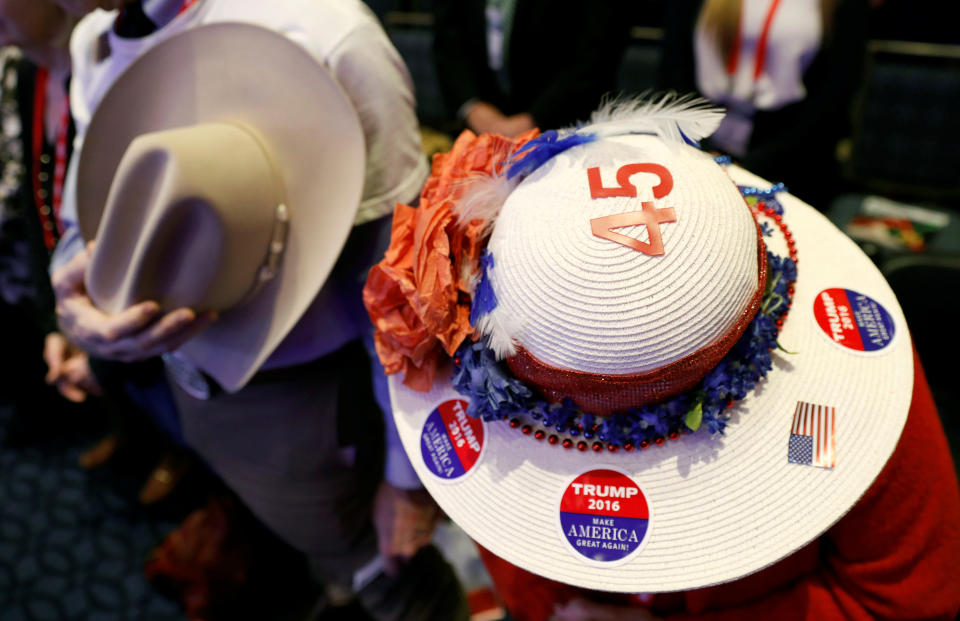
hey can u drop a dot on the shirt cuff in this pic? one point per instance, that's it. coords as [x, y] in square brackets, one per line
[69, 246]
[399, 471]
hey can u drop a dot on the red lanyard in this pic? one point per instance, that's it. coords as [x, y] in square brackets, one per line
[761, 56]
[49, 211]
[186, 6]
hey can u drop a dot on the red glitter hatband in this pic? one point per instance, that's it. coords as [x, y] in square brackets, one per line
[604, 394]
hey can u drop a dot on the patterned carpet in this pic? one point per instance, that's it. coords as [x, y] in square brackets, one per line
[73, 543]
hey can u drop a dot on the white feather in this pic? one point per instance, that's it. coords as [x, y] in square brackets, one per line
[667, 116]
[500, 329]
[483, 199]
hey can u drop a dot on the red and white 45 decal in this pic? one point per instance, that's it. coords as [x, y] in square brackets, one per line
[649, 216]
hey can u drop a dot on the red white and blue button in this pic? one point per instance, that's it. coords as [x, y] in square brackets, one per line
[604, 516]
[451, 443]
[853, 320]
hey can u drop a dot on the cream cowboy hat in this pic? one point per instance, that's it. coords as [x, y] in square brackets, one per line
[221, 171]
[620, 257]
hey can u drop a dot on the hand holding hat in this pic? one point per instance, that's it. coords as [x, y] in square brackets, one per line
[217, 198]
[135, 333]
[405, 521]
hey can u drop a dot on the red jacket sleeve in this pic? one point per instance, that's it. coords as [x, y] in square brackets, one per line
[895, 555]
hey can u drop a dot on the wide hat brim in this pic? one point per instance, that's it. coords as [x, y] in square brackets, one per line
[242, 73]
[720, 507]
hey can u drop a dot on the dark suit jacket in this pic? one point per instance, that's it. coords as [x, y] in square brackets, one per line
[24, 325]
[29, 219]
[563, 57]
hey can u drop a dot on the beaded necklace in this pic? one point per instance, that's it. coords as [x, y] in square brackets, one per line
[48, 172]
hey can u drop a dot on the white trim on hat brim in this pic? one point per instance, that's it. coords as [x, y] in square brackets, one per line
[725, 506]
[240, 72]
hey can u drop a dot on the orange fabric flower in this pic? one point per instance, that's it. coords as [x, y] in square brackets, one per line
[418, 296]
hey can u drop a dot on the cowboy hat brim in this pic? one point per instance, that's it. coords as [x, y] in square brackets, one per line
[242, 73]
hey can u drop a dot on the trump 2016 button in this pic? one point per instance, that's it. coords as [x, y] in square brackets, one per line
[853, 320]
[451, 442]
[604, 516]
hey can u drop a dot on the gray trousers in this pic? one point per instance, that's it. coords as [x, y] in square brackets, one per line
[303, 448]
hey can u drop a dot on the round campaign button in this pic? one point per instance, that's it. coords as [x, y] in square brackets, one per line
[451, 442]
[853, 320]
[604, 516]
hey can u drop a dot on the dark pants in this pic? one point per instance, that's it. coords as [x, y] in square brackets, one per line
[139, 402]
[22, 368]
[302, 446]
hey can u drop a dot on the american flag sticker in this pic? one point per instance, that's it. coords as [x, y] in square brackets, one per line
[813, 436]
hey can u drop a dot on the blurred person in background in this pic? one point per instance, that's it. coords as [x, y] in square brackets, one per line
[37, 146]
[786, 72]
[507, 66]
[271, 440]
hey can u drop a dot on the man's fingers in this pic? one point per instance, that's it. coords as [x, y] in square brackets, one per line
[76, 371]
[89, 384]
[70, 391]
[190, 330]
[396, 551]
[81, 320]
[167, 334]
[404, 520]
[91, 329]
[182, 330]
[129, 322]
[167, 326]
[54, 354]
[143, 344]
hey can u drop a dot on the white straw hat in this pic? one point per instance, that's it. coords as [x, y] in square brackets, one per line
[578, 505]
[233, 190]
